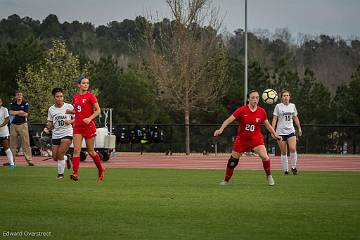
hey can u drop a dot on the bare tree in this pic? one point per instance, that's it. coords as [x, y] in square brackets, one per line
[187, 58]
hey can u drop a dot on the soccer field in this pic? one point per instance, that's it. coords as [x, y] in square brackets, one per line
[179, 204]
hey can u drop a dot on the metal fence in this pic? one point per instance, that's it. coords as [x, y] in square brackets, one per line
[316, 138]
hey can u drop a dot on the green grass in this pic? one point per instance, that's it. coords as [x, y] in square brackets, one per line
[180, 204]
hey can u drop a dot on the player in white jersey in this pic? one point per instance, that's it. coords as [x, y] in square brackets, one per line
[62, 132]
[4, 134]
[284, 116]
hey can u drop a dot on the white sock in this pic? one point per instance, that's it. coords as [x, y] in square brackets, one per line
[293, 158]
[65, 158]
[9, 156]
[284, 162]
[61, 166]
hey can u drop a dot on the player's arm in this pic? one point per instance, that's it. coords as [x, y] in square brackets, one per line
[273, 124]
[275, 116]
[224, 125]
[271, 130]
[96, 113]
[274, 121]
[6, 121]
[48, 127]
[297, 123]
[72, 119]
[69, 111]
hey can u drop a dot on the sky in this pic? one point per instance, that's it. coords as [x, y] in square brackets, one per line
[314, 17]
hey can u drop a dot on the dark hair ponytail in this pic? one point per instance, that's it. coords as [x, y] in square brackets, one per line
[250, 92]
[56, 90]
[81, 77]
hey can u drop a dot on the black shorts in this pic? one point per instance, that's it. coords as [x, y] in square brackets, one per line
[3, 138]
[58, 140]
[286, 137]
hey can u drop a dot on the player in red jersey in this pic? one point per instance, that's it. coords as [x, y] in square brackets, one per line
[86, 108]
[249, 137]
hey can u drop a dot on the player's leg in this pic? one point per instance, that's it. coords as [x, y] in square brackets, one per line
[293, 154]
[95, 156]
[230, 166]
[54, 154]
[283, 156]
[63, 147]
[77, 140]
[9, 155]
[261, 151]
[54, 149]
[67, 156]
[13, 138]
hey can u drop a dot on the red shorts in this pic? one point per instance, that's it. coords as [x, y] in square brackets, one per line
[242, 145]
[87, 131]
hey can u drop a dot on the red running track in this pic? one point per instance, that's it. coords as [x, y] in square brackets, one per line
[196, 161]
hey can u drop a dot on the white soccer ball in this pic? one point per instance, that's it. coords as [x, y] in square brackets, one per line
[269, 96]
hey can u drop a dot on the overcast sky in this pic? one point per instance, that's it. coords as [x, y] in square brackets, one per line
[331, 17]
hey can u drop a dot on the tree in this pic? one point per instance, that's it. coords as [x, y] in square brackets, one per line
[14, 57]
[341, 98]
[233, 96]
[59, 68]
[354, 90]
[346, 103]
[313, 100]
[131, 96]
[187, 59]
[16, 28]
[51, 27]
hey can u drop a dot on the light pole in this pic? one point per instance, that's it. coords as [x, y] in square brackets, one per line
[246, 58]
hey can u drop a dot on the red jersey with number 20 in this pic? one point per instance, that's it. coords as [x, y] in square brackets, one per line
[249, 123]
[83, 107]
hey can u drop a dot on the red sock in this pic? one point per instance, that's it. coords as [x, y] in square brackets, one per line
[266, 165]
[97, 162]
[228, 174]
[76, 165]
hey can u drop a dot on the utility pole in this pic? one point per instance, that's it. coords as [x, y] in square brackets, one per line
[246, 58]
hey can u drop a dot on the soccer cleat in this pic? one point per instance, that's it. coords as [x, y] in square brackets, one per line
[68, 162]
[30, 164]
[286, 173]
[12, 166]
[294, 171]
[60, 176]
[223, 183]
[270, 180]
[74, 178]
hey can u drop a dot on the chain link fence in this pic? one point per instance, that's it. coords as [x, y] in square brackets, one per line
[316, 138]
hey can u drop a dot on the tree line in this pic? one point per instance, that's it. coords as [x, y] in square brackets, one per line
[160, 72]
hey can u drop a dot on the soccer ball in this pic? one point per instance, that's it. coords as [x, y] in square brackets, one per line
[270, 96]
